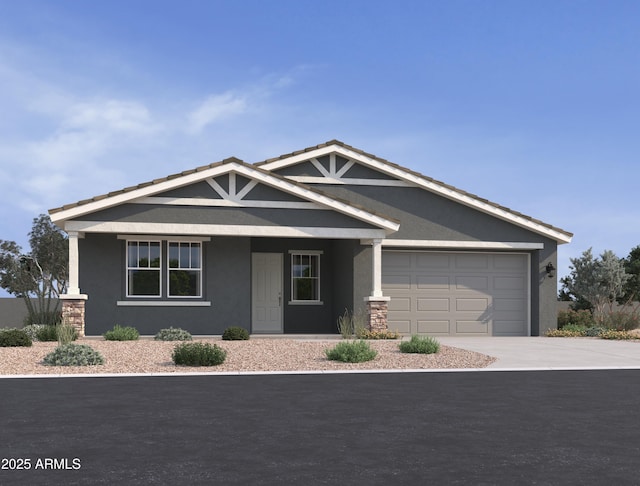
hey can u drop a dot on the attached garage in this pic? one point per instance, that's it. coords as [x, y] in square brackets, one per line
[457, 293]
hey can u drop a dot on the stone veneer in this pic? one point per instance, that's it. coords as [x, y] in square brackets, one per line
[377, 314]
[73, 313]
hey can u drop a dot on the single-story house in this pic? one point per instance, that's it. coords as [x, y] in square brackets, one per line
[288, 244]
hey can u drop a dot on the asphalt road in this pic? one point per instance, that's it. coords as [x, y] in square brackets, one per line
[550, 427]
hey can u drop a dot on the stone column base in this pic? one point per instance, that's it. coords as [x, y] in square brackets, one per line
[73, 311]
[377, 310]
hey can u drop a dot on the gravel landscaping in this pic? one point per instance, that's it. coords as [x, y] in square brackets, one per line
[260, 354]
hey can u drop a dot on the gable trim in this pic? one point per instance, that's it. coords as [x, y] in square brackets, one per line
[215, 170]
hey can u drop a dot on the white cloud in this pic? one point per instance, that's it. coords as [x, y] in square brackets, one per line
[216, 108]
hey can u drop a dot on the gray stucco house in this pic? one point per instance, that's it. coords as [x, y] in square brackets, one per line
[286, 245]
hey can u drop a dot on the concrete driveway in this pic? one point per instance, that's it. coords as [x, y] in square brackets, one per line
[541, 353]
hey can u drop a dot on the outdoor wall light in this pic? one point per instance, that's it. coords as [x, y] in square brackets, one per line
[550, 269]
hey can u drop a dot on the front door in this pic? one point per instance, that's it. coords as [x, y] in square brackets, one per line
[266, 292]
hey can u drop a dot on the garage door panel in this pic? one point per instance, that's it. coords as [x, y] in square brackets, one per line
[449, 293]
[394, 281]
[434, 305]
[508, 283]
[402, 326]
[472, 304]
[400, 304]
[441, 282]
[432, 261]
[434, 327]
[472, 327]
[509, 328]
[472, 283]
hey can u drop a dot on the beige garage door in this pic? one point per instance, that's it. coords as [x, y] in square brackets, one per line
[457, 294]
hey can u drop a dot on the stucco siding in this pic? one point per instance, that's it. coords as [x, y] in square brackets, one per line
[151, 213]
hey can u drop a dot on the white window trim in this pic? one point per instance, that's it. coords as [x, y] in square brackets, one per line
[317, 301]
[169, 296]
[128, 268]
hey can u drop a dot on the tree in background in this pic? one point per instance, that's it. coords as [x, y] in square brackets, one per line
[40, 276]
[632, 267]
[599, 281]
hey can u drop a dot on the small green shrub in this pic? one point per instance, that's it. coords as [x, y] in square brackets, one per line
[173, 334]
[420, 344]
[48, 332]
[32, 330]
[120, 333]
[621, 320]
[235, 333]
[14, 338]
[351, 352]
[198, 354]
[582, 318]
[385, 334]
[594, 331]
[73, 355]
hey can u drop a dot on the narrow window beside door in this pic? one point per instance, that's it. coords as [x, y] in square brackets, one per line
[305, 277]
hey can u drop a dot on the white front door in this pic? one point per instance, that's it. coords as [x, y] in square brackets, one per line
[266, 292]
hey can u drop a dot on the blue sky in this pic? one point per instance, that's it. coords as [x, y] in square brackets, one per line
[533, 105]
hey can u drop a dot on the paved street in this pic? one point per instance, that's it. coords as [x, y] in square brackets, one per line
[552, 427]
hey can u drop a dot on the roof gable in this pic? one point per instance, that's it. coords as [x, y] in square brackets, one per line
[394, 175]
[232, 182]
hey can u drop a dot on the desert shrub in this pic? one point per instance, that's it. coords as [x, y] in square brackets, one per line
[420, 344]
[619, 335]
[120, 333]
[66, 333]
[14, 338]
[47, 333]
[594, 331]
[385, 334]
[621, 320]
[567, 331]
[173, 334]
[198, 354]
[582, 318]
[352, 324]
[235, 333]
[73, 355]
[32, 330]
[351, 352]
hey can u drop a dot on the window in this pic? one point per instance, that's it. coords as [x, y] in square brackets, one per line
[185, 269]
[305, 277]
[143, 269]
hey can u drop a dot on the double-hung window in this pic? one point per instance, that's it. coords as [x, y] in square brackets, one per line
[305, 277]
[185, 269]
[143, 269]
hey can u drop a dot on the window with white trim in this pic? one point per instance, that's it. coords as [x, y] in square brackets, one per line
[143, 269]
[185, 269]
[305, 277]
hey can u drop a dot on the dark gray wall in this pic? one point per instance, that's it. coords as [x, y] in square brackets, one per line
[336, 272]
[222, 215]
[227, 285]
[424, 215]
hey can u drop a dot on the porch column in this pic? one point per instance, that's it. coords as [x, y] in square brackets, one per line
[73, 301]
[377, 304]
